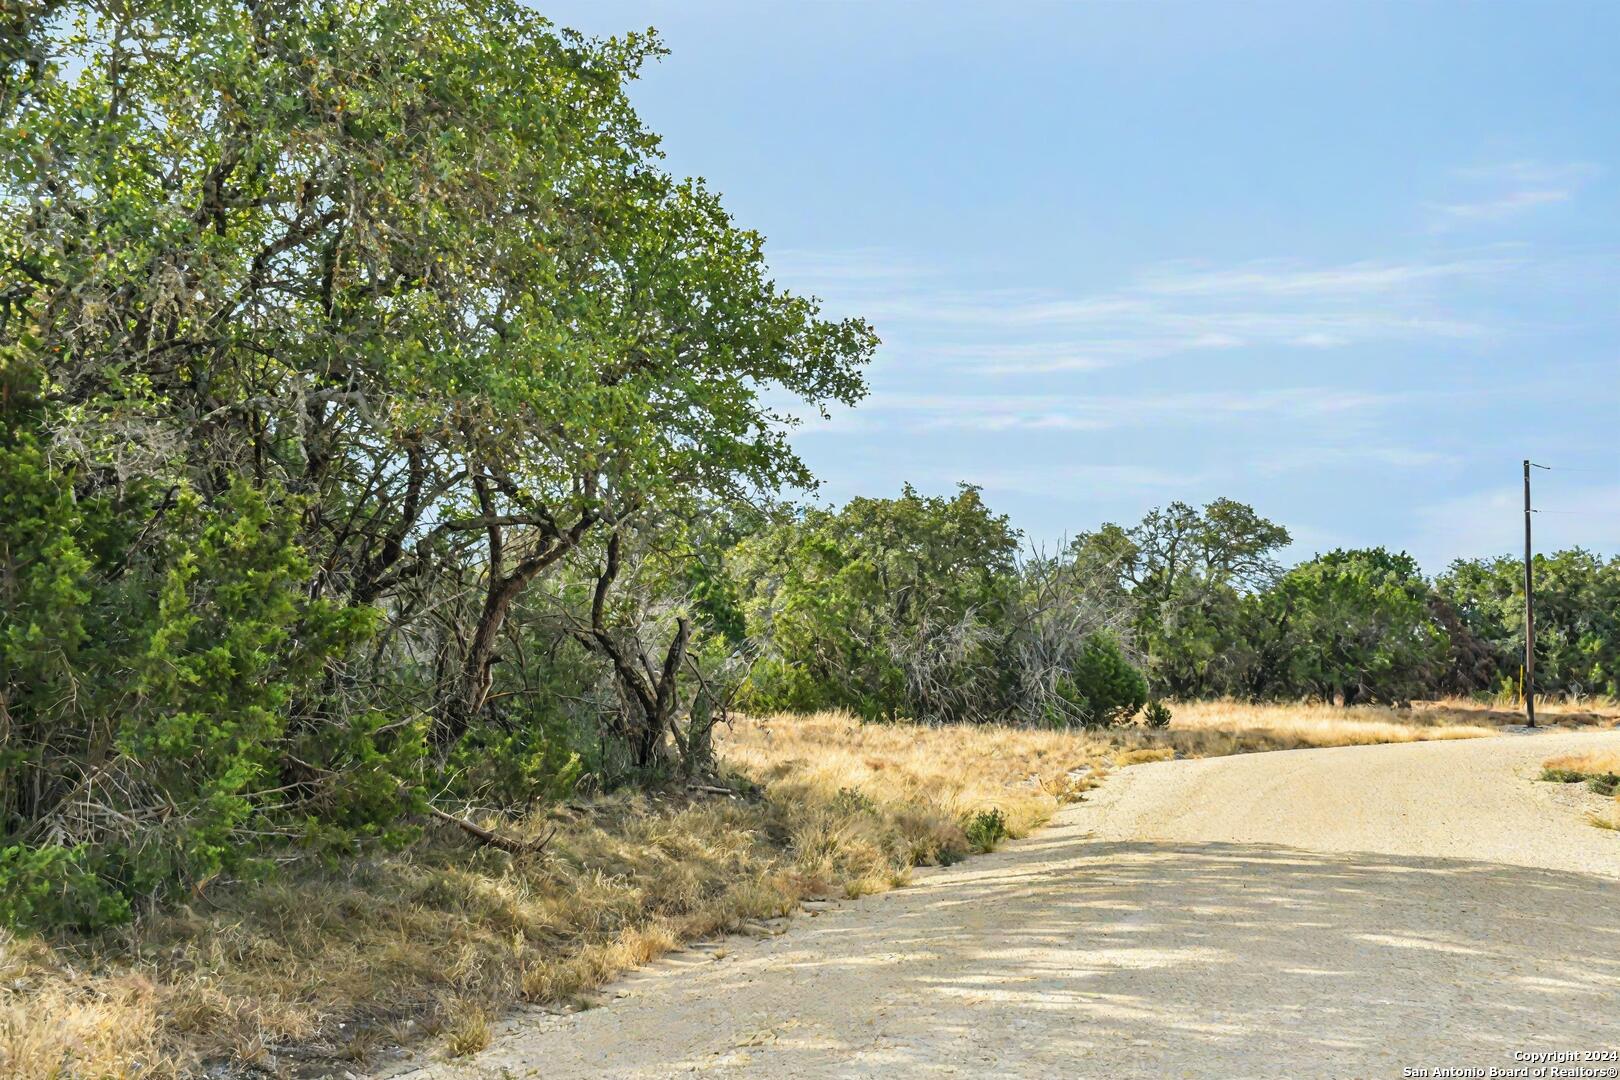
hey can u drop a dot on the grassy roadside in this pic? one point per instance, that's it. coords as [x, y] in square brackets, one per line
[1599, 771]
[321, 971]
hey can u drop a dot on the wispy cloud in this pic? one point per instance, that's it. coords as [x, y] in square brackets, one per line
[1093, 412]
[1002, 358]
[1261, 279]
[1357, 456]
[1510, 189]
[1167, 310]
[807, 270]
[1533, 173]
[1505, 206]
[1006, 309]
[1076, 481]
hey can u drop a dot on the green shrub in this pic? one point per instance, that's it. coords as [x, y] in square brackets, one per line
[852, 801]
[1600, 783]
[165, 697]
[515, 767]
[1156, 715]
[1563, 776]
[986, 829]
[52, 888]
[1103, 687]
[1604, 784]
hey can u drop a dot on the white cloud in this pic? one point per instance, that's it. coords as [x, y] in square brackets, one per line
[1169, 310]
[1512, 188]
[1357, 455]
[1334, 282]
[1005, 358]
[808, 270]
[1316, 339]
[1069, 481]
[1504, 206]
[1005, 309]
[1126, 317]
[1102, 412]
[1533, 173]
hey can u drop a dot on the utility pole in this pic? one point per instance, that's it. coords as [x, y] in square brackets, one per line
[1529, 612]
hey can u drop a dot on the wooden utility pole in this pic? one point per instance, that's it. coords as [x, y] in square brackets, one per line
[1529, 612]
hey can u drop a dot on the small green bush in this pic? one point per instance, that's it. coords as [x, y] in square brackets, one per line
[198, 674]
[53, 888]
[852, 801]
[1156, 715]
[1103, 687]
[1562, 776]
[537, 761]
[986, 829]
[1601, 783]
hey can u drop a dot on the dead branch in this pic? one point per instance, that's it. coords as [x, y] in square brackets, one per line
[710, 788]
[494, 839]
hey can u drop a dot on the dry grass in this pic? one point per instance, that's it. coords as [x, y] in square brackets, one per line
[1224, 727]
[109, 1021]
[1598, 770]
[425, 946]
[949, 773]
[468, 1034]
[1595, 763]
[1502, 711]
[325, 971]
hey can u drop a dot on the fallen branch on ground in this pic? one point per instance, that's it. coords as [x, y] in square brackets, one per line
[494, 839]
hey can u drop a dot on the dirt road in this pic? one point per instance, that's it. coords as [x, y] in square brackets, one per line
[1318, 913]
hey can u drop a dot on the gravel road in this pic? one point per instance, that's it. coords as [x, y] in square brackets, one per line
[1317, 913]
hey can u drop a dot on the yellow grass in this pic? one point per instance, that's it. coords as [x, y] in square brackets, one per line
[1579, 712]
[1592, 763]
[1297, 726]
[949, 772]
[423, 947]
[1588, 766]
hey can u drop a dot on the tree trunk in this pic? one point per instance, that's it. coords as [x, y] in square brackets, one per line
[471, 692]
[652, 699]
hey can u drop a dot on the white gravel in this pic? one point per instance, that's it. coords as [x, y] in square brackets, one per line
[1319, 913]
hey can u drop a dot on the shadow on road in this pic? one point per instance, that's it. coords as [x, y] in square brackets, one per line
[1204, 959]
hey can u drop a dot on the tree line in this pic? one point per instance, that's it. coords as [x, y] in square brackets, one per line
[383, 429]
[923, 607]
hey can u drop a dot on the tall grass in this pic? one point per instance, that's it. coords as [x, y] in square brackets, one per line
[1205, 726]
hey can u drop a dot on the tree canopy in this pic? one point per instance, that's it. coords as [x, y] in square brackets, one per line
[324, 334]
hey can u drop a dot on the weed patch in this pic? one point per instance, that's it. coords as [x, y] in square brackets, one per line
[986, 829]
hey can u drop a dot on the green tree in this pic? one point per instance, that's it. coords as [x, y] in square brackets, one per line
[1101, 687]
[1356, 626]
[1577, 620]
[1186, 574]
[850, 600]
[350, 325]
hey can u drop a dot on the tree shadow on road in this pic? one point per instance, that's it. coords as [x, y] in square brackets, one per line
[1150, 959]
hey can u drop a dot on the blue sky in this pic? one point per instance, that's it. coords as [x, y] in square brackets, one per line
[1348, 262]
